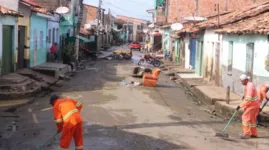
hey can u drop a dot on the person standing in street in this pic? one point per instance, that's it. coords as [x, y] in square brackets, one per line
[53, 50]
[251, 108]
[68, 120]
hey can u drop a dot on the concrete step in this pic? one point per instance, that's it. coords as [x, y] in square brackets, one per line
[17, 87]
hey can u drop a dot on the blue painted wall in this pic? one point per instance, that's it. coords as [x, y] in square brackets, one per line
[192, 52]
[38, 44]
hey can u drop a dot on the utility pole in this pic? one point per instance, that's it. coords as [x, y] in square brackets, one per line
[127, 30]
[217, 9]
[98, 23]
[77, 4]
[166, 11]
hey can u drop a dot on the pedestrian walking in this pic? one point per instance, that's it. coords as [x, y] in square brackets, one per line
[68, 120]
[251, 108]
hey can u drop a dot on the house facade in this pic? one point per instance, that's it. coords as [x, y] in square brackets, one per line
[8, 39]
[229, 45]
[251, 50]
[38, 42]
[53, 32]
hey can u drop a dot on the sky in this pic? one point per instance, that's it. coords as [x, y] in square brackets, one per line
[131, 8]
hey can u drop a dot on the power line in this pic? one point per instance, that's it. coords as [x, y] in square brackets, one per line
[124, 10]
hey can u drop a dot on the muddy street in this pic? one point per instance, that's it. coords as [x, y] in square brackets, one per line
[118, 116]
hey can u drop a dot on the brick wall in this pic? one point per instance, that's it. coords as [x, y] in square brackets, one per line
[50, 4]
[91, 13]
[178, 9]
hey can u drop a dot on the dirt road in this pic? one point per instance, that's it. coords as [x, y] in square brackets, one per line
[128, 117]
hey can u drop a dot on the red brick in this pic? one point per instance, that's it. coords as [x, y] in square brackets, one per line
[178, 9]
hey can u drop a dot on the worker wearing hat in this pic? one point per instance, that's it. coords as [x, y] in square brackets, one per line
[251, 108]
[68, 120]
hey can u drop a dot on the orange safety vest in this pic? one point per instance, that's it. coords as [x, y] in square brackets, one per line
[67, 112]
[250, 97]
[262, 90]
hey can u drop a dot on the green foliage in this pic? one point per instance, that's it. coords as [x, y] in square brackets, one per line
[68, 51]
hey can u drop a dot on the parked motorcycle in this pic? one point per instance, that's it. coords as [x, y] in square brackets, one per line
[151, 60]
[88, 53]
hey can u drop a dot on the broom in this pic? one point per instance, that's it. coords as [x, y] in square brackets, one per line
[223, 134]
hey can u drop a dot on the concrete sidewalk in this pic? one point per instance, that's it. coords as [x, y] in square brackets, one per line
[216, 96]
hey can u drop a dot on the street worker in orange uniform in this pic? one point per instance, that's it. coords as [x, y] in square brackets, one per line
[262, 90]
[251, 108]
[68, 120]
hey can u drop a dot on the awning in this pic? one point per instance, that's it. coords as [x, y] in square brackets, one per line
[84, 39]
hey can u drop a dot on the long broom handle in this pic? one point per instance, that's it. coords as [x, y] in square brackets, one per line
[229, 121]
[263, 106]
[53, 137]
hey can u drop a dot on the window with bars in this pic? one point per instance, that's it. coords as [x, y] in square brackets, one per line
[41, 39]
[49, 36]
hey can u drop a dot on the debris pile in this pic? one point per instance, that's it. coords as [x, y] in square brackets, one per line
[131, 83]
[116, 55]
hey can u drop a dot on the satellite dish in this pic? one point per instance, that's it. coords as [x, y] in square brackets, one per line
[62, 10]
[151, 26]
[145, 30]
[176, 26]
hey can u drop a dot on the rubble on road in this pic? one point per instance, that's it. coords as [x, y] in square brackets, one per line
[139, 71]
[131, 83]
[118, 54]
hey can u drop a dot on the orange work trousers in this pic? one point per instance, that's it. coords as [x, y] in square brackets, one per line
[249, 121]
[69, 132]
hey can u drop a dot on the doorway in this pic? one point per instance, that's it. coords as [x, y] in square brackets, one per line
[250, 60]
[199, 58]
[217, 64]
[192, 52]
[7, 55]
[21, 44]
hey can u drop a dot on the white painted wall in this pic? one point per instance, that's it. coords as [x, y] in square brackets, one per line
[211, 37]
[239, 60]
[11, 4]
[239, 52]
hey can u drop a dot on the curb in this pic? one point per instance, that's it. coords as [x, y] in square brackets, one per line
[220, 107]
[29, 101]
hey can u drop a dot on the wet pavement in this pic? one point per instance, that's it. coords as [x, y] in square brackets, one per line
[119, 117]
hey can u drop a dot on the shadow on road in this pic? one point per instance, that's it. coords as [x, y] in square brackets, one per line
[116, 138]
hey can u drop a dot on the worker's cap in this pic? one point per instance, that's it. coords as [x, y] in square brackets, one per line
[53, 98]
[244, 77]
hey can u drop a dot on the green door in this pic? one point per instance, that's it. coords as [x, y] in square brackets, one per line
[7, 59]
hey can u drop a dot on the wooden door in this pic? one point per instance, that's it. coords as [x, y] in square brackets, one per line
[217, 64]
[250, 60]
[21, 43]
[192, 52]
[7, 59]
